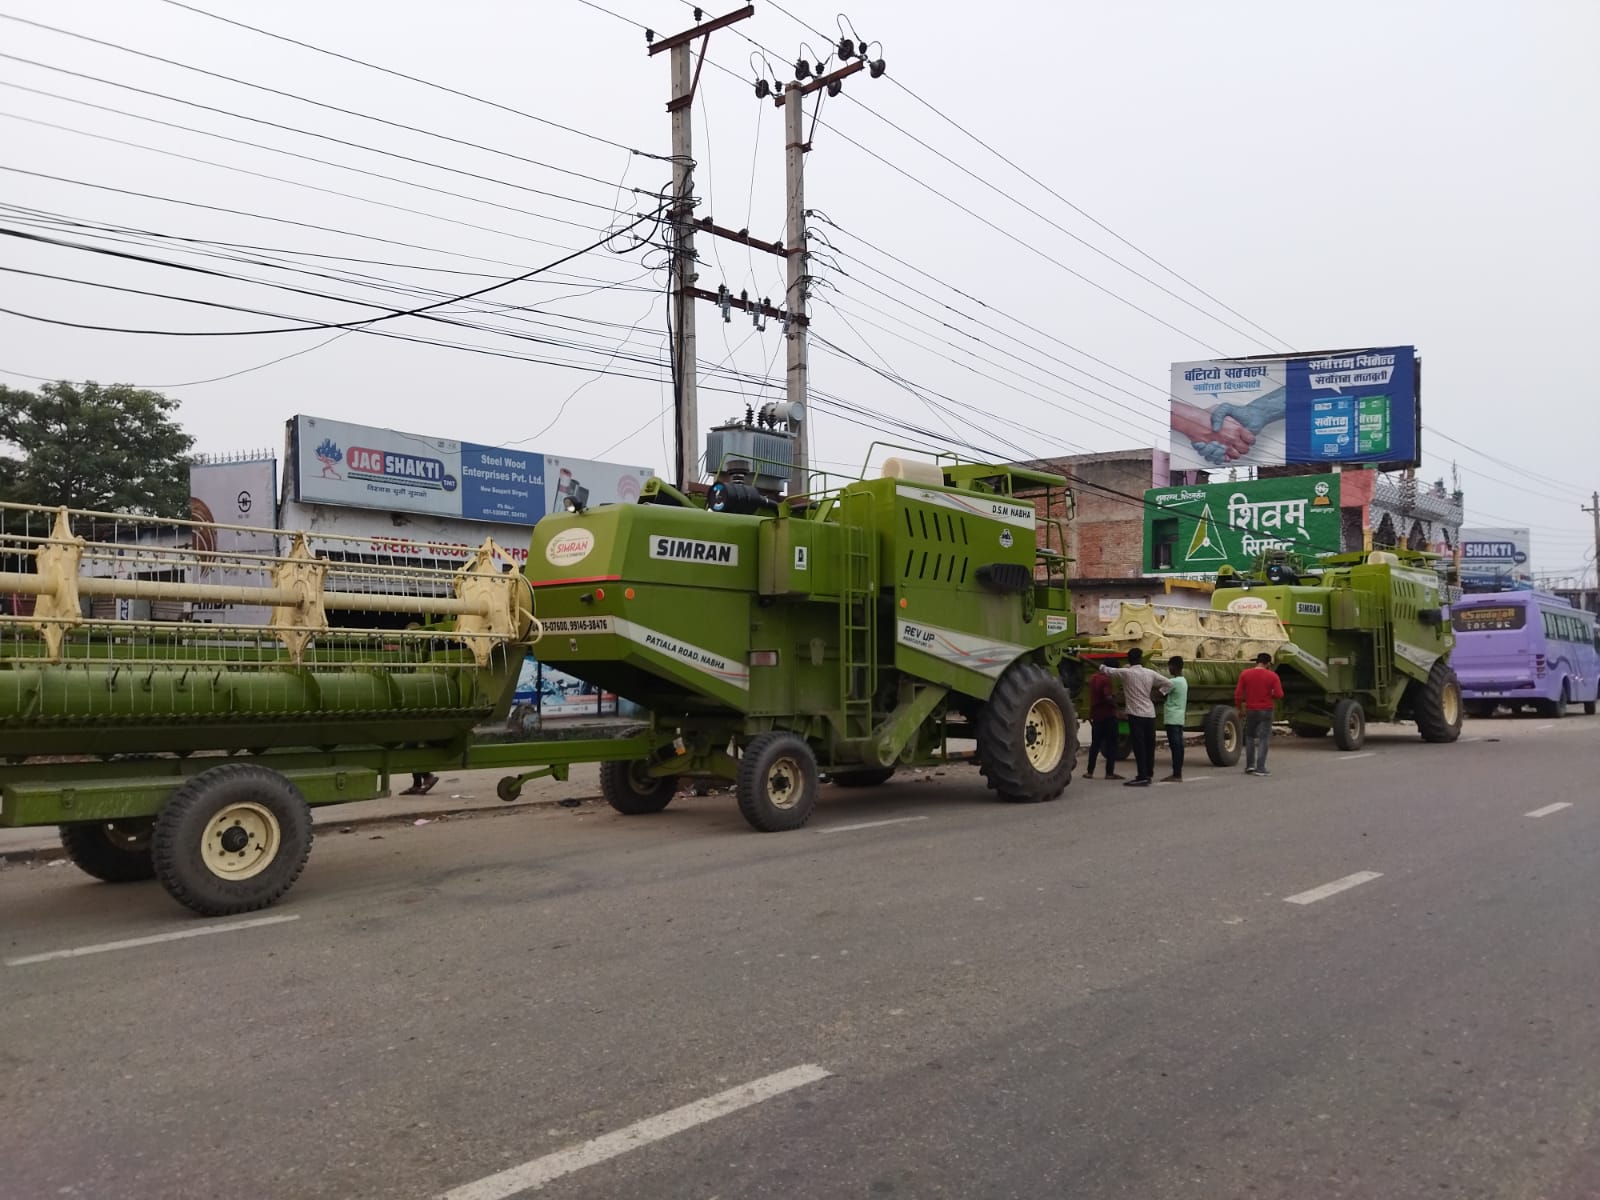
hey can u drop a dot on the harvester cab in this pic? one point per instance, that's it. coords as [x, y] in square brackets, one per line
[852, 631]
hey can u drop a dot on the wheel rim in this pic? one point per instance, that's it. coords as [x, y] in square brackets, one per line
[1044, 734]
[1352, 724]
[1450, 704]
[784, 784]
[131, 837]
[1230, 736]
[241, 841]
[639, 781]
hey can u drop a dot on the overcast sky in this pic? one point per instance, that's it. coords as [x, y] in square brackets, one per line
[1360, 174]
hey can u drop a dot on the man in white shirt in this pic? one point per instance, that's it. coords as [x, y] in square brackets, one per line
[1139, 686]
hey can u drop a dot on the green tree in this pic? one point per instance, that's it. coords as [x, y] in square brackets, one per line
[114, 448]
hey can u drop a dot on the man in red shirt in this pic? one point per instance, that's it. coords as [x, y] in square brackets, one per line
[1102, 724]
[1258, 691]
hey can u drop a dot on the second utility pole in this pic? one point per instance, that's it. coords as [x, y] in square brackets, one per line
[795, 302]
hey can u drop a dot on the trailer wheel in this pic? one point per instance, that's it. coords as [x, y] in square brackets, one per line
[861, 779]
[1438, 705]
[630, 789]
[113, 851]
[1349, 725]
[231, 840]
[1224, 734]
[1027, 736]
[777, 784]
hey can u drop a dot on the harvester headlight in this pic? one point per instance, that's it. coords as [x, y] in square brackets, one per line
[577, 499]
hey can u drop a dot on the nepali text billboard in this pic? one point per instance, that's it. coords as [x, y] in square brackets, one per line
[1344, 406]
[358, 466]
[1496, 555]
[1196, 530]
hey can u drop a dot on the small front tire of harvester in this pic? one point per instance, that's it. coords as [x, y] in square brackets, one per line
[1027, 736]
[112, 851]
[1438, 708]
[630, 788]
[777, 783]
[1224, 735]
[863, 779]
[1349, 725]
[1308, 731]
[231, 840]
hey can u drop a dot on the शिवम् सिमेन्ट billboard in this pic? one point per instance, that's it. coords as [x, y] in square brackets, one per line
[1197, 530]
[1343, 406]
[359, 466]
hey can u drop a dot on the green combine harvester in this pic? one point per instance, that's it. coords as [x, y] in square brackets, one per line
[850, 633]
[1356, 638]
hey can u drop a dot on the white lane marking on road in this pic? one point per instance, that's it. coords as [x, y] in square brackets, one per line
[177, 935]
[1541, 727]
[1353, 757]
[870, 824]
[540, 1171]
[1334, 888]
[1548, 809]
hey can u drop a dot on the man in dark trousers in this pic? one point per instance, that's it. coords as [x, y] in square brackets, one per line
[1139, 687]
[1102, 724]
[1173, 714]
[1257, 694]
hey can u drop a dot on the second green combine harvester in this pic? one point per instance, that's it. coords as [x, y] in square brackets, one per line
[1360, 637]
[774, 642]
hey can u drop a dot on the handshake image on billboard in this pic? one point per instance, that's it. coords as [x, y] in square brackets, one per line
[1228, 431]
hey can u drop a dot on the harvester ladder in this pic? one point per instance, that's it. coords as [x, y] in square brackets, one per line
[1382, 653]
[858, 621]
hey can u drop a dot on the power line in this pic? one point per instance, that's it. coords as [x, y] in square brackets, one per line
[594, 137]
[299, 184]
[237, 212]
[261, 87]
[306, 328]
[321, 162]
[326, 137]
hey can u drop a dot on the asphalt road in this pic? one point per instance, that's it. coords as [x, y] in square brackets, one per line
[1126, 993]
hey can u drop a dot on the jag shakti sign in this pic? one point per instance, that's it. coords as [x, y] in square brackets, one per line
[1197, 530]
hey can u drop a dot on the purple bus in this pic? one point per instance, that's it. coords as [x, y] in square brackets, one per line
[1524, 648]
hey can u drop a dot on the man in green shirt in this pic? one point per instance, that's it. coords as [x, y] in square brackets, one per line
[1172, 716]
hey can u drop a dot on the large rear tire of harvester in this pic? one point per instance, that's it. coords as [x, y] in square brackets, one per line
[1028, 736]
[1224, 735]
[630, 789]
[231, 840]
[777, 783]
[1349, 725]
[113, 851]
[1438, 708]
[1308, 731]
[862, 779]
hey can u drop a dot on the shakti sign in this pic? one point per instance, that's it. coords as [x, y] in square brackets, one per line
[1196, 530]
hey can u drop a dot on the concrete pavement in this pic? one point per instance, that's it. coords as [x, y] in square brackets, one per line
[1105, 996]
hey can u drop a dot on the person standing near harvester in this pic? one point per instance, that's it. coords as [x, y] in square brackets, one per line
[1257, 693]
[1172, 716]
[1102, 724]
[1139, 685]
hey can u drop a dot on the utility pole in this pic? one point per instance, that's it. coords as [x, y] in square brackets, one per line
[795, 324]
[791, 98]
[681, 299]
[1593, 509]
